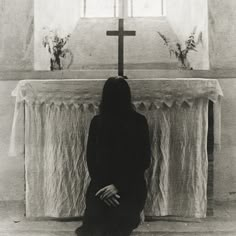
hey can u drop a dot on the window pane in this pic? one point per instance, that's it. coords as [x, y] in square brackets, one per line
[100, 8]
[146, 8]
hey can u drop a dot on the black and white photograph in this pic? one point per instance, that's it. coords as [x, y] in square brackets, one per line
[117, 118]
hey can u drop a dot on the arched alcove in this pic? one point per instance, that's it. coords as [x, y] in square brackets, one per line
[92, 49]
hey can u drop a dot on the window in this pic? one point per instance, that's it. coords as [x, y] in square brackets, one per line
[116, 8]
[142, 8]
[100, 8]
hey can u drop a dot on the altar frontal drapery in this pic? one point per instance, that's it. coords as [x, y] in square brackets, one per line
[50, 129]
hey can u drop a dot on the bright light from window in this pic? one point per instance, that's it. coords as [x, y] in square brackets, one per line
[144, 8]
[99, 8]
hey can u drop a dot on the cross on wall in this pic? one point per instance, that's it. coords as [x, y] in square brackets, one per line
[121, 33]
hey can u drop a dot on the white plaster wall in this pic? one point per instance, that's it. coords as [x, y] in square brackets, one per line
[16, 34]
[183, 16]
[225, 159]
[222, 33]
[93, 49]
[16, 53]
[222, 51]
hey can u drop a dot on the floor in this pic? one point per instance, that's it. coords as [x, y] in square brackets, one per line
[223, 223]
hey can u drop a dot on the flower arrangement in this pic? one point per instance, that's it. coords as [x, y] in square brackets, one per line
[55, 46]
[181, 53]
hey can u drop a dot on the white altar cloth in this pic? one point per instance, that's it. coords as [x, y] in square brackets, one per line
[50, 127]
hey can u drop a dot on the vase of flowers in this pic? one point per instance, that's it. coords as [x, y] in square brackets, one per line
[60, 58]
[181, 52]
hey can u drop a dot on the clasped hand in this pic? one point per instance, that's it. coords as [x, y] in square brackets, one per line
[109, 194]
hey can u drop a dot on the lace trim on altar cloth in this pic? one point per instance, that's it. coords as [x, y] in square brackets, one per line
[148, 93]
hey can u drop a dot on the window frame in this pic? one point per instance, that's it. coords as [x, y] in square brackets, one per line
[131, 14]
[83, 5]
[121, 10]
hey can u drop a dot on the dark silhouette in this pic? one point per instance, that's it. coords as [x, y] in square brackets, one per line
[118, 153]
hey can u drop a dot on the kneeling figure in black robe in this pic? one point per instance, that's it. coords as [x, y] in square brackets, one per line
[118, 153]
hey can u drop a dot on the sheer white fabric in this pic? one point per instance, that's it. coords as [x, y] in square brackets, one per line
[50, 128]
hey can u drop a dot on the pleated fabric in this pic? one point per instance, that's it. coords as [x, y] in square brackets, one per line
[50, 129]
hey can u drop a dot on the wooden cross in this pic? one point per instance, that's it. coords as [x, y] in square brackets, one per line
[121, 33]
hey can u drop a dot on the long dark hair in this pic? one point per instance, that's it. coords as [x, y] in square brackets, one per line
[116, 96]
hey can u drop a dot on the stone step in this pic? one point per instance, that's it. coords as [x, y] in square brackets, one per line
[160, 228]
[71, 233]
[223, 223]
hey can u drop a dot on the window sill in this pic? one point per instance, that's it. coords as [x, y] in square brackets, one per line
[126, 18]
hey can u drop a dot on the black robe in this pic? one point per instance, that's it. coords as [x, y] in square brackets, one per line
[118, 152]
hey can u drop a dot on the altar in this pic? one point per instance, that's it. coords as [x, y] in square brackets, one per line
[50, 128]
